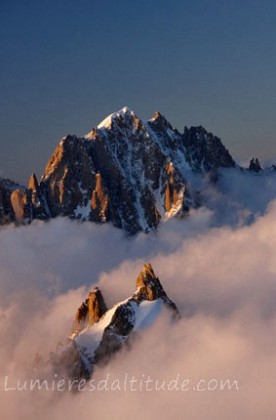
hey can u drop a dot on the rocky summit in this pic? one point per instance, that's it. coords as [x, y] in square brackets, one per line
[126, 171]
[98, 332]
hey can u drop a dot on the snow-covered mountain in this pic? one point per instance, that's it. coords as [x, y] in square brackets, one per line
[126, 171]
[99, 332]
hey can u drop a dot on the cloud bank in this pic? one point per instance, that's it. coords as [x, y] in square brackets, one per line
[222, 276]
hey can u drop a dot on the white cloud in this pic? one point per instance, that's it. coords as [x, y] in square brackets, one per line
[223, 279]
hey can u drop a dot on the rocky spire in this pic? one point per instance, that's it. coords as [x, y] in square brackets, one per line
[148, 287]
[90, 311]
[7, 187]
[175, 200]
[33, 184]
[18, 202]
[99, 201]
[36, 206]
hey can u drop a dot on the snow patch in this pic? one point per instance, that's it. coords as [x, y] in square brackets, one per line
[90, 338]
[83, 212]
[146, 313]
[107, 122]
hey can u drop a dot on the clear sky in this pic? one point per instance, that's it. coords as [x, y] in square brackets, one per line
[65, 65]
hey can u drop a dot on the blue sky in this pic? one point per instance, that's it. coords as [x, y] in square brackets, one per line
[65, 65]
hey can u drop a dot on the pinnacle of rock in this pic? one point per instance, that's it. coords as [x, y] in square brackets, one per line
[90, 311]
[148, 284]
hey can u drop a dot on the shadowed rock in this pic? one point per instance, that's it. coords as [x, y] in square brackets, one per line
[254, 165]
[204, 151]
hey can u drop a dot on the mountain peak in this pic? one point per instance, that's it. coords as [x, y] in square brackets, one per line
[148, 285]
[126, 110]
[157, 115]
[121, 114]
[160, 121]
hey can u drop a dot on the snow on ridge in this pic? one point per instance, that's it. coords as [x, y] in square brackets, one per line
[106, 123]
[89, 339]
[145, 314]
[155, 116]
[83, 211]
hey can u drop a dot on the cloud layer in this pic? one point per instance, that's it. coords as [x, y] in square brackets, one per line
[220, 275]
